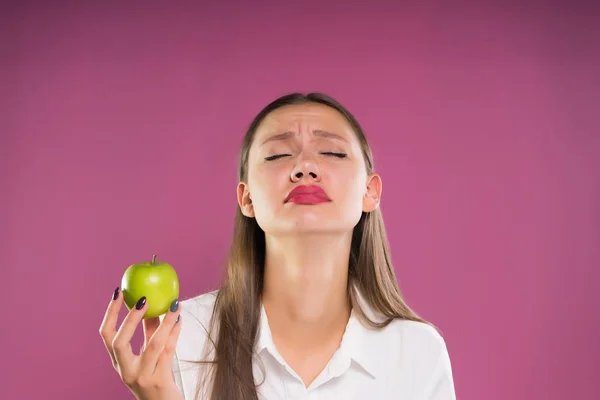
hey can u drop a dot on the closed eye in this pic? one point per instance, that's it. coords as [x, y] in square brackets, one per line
[276, 156]
[327, 153]
[338, 155]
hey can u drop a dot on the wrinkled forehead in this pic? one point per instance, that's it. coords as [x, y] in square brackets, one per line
[305, 119]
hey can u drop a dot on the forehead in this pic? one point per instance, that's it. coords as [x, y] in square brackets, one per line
[304, 116]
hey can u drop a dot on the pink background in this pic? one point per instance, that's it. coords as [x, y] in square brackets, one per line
[120, 126]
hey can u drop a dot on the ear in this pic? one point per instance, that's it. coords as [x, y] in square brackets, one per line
[245, 200]
[372, 197]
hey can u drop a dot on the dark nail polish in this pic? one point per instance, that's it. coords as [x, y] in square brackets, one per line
[140, 304]
[177, 320]
[174, 305]
[115, 293]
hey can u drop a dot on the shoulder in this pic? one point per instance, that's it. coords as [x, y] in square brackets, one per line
[199, 307]
[419, 336]
[417, 340]
[411, 344]
[194, 344]
[196, 315]
[420, 348]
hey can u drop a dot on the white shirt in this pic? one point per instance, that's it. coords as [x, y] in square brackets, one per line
[405, 360]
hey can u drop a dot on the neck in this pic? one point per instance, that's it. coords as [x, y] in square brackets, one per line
[305, 288]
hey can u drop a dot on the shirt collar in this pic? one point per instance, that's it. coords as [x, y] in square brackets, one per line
[360, 342]
[265, 340]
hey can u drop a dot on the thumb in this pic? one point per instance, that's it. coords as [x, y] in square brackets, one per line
[150, 326]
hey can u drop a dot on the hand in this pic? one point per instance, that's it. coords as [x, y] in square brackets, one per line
[148, 375]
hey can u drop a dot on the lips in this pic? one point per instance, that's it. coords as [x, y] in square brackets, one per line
[307, 194]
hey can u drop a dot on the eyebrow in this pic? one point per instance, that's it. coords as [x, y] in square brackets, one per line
[317, 132]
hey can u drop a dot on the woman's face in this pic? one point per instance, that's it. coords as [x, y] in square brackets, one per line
[309, 144]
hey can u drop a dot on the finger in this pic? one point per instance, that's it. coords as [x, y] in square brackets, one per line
[108, 328]
[150, 326]
[122, 341]
[163, 366]
[157, 341]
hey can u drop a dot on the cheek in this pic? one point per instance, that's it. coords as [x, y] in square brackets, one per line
[266, 189]
[355, 196]
[349, 195]
[354, 184]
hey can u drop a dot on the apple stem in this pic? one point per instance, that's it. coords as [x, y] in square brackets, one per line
[153, 258]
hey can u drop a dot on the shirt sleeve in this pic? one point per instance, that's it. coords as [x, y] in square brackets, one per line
[441, 383]
[176, 369]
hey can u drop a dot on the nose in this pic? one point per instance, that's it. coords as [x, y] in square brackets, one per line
[304, 168]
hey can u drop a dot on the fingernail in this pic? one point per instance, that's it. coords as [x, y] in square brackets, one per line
[174, 305]
[140, 304]
[116, 293]
[177, 320]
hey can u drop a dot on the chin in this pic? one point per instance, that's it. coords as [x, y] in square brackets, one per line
[309, 223]
[309, 217]
[308, 220]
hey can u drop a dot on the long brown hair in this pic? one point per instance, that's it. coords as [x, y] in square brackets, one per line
[237, 308]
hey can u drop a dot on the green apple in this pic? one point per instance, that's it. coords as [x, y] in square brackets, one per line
[156, 280]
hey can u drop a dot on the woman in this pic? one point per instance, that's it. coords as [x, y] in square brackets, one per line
[310, 307]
